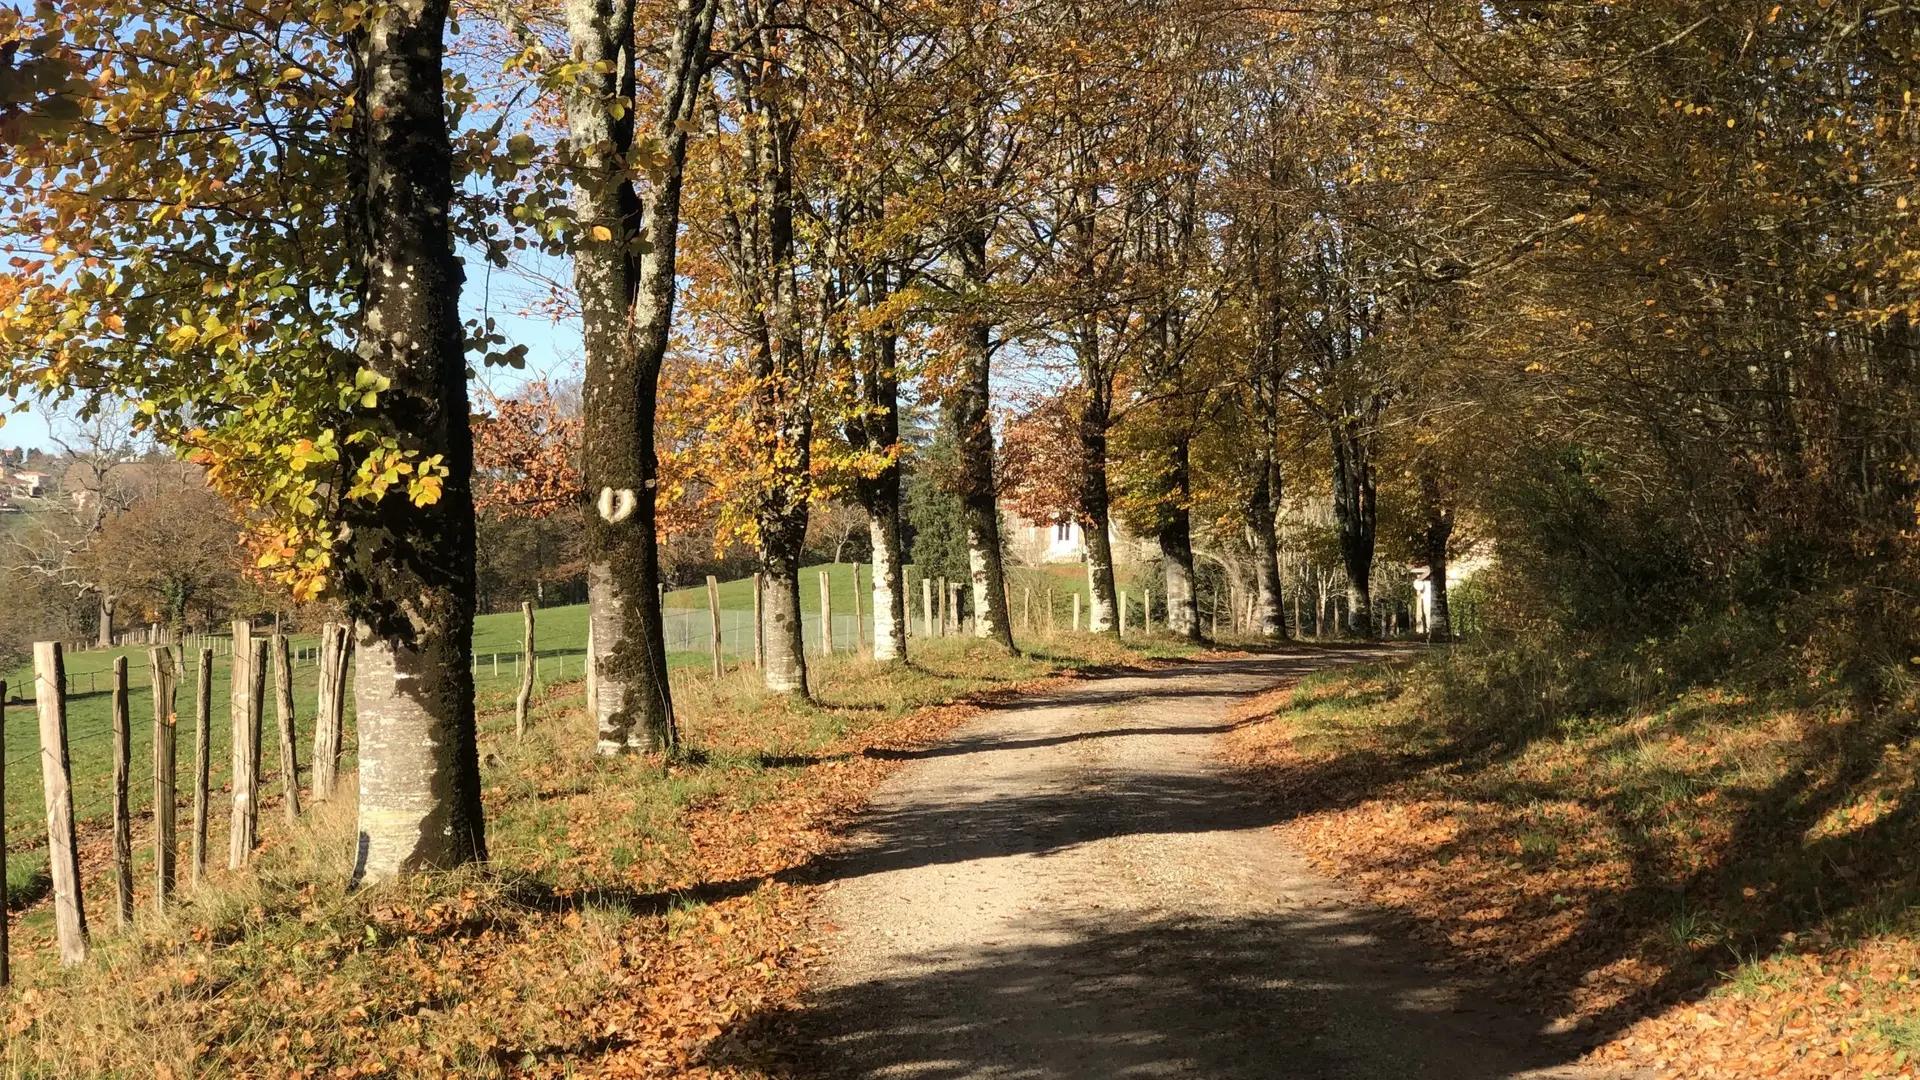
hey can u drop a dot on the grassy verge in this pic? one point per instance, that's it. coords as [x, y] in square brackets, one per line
[633, 920]
[1708, 881]
[561, 641]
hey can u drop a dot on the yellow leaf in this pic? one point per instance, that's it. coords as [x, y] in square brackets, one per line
[601, 232]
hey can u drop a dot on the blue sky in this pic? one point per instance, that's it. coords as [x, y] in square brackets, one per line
[552, 349]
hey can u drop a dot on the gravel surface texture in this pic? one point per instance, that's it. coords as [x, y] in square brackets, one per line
[1075, 886]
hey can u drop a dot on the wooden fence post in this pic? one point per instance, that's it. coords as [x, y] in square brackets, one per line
[946, 611]
[283, 714]
[56, 780]
[1026, 609]
[759, 631]
[164, 674]
[247, 677]
[202, 761]
[122, 813]
[525, 697]
[322, 782]
[926, 604]
[1123, 613]
[6, 970]
[826, 614]
[1050, 607]
[859, 628]
[329, 725]
[956, 610]
[713, 627]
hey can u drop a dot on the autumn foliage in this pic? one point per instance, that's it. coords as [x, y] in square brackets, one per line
[523, 455]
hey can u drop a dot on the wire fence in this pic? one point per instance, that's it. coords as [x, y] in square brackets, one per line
[90, 745]
[691, 630]
[88, 696]
[99, 680]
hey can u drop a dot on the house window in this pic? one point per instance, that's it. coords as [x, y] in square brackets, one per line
[1063, 531]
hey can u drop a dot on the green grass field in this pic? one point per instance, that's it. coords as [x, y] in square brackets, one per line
[560, 644]
[737, 595]
[1064, 578]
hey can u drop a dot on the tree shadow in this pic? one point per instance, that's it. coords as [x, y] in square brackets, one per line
[548, 899]
[963, 827]
[1768, 885]
[987, 744]
[1764, 886]
[1307, 995]
[1297, 994]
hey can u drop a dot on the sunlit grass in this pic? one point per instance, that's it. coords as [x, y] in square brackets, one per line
[608, 875]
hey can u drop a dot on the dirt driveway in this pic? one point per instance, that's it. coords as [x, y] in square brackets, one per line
[1075, 887]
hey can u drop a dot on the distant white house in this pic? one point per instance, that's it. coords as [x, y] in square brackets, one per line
[28, 484]
[1034, 543]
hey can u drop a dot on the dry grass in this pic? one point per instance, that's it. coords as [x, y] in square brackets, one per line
[634, 920]
[1716, 885]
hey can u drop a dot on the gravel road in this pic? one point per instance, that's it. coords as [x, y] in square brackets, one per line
[1075, 886]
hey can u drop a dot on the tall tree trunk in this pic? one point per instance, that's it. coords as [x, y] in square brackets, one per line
[763, 262]
[1175, 536]
[971, 424]
[784, 666]
[1095, 515]
[786, 417]
[972, 427]
[1263, 507]
[408, 571]
[889, 577]
[1439, 530]
[877, 432]
[782, 518]
[626, 298]
[1262, 511]
[1353, 511]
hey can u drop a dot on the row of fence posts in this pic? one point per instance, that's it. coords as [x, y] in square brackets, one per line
[949, 612]
[189, 643]
[248, 685]
[715, 636]
[949, 606]
[943, 619]
[157, 634]
[950, 624]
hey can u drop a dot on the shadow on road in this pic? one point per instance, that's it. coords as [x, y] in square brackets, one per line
[1309, 988]
[1303, 998]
